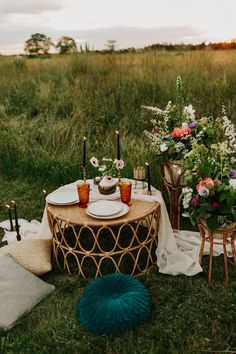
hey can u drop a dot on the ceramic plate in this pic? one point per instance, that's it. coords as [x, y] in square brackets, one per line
[105, 208]
[63, 197]
[123, 211]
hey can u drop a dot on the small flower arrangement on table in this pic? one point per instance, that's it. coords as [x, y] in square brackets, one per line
[107, 168]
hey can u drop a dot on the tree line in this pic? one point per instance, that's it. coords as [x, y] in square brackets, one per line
[39, 45]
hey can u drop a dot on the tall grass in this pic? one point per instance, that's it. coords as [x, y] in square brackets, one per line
[46, 106]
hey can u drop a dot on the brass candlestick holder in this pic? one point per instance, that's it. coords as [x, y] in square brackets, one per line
[84, 173]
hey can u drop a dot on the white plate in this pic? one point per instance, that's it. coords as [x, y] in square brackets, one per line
[62, 197]
[105, 208]
[123, 211]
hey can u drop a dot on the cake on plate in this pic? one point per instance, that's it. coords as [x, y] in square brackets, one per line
[107, 185]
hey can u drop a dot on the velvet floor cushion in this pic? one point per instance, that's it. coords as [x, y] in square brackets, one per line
[20, 291]
[113, 304]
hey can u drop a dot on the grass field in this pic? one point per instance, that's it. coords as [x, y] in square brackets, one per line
[46, 106]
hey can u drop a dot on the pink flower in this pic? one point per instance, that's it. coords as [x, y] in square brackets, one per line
[207, 182]
[154, 130]
[120, 164]
[195, 201]
[180, 132]
[215, 204]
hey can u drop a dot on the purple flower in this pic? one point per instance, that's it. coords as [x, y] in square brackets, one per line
[195, 201]
[232, 174]
[192, 124]
[203, 192]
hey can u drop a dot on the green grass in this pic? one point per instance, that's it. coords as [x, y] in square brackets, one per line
[46, 106]
[188, 314]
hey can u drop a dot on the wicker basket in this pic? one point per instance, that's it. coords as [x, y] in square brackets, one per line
[174, 173]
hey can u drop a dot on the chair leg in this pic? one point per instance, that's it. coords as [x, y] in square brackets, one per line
[210, 265]
[226, 264]
[233, 252]
[201, 250]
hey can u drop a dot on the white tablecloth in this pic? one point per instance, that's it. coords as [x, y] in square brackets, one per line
[177, 252]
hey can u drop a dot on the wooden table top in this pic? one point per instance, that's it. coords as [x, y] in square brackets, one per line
[73, 214]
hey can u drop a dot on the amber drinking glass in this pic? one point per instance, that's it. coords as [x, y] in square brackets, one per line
[83, 190]
[125, 191]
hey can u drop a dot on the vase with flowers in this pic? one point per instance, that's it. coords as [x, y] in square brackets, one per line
[172, 132]
[210, 196]
[107, 170]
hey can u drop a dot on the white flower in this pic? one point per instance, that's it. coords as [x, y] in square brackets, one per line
[120, 164]
[179, 146]
[185, 125]
[186, 200]
[102, 168]
[232, 182]
[189, 110]
[106, 159]
[163, 147]
[187, 190]
[94, 162]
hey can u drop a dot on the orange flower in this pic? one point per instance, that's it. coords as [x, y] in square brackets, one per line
[180, 132]
[207, 182]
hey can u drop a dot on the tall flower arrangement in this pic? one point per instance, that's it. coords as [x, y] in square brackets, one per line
[174, 129]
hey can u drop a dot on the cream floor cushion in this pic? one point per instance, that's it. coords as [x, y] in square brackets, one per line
[20, 291]
[33, 255]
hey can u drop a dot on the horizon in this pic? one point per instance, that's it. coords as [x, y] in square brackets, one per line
[132, 23]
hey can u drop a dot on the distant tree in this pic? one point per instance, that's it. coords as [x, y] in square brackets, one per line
[111, 45]
[66, 45]
[38, 44]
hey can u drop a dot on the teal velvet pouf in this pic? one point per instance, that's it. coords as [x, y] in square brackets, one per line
[113, 304]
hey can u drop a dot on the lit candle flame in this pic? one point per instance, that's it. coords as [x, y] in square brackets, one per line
[8, 206]
[146, 163]
[84, 137]
[117, 132]
[44, 191]
[13, 202]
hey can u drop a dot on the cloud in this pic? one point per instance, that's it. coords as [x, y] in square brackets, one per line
[139, 37]
[31, 6]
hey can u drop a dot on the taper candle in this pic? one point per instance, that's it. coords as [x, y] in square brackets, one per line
[16, 221]
[84, 152]
[118, 145]
[148, 177]
[10, 217]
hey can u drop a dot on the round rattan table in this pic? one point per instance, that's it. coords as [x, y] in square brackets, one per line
[93, 247]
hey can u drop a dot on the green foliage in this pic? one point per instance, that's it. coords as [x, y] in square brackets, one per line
[66, 45]
[38, 44]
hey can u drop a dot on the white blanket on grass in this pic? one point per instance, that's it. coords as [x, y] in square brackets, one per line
[177, 251]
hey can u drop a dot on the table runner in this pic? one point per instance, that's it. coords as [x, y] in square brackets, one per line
[177, 251]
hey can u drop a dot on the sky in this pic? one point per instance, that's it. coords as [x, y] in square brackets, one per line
[132, 23]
